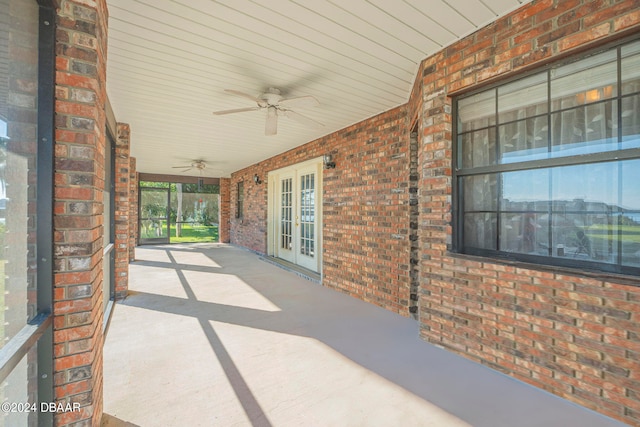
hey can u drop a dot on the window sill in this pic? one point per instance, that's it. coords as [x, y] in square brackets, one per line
[624, 279]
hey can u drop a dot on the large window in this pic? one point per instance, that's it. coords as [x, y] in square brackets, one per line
[179, 212]
[240, 200]
[547, 168]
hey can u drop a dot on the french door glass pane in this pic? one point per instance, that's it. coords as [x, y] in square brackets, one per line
[286, 220]
[307, 215]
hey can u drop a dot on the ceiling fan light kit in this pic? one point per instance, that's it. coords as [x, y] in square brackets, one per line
[276, 105]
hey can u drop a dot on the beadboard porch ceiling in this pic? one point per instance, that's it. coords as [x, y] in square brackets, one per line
[170, 61]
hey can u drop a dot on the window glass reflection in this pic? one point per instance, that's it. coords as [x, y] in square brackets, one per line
[478, 148]
[524, 200]
[477, 111]
[630, 68]
[18, 120]
[523, 98]
[590, 80]
[584, 130]
[524, 140]
[590, 187]
[480, 230]
[630, 117]
[525, 191]
[480, 192]
[525, 232]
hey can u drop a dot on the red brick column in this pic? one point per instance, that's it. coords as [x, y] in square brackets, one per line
[122, 210]
[78, 208]
[133, 206]
[224, 210]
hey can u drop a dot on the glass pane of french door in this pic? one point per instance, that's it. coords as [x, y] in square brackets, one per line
[307, 214]
[286, 214]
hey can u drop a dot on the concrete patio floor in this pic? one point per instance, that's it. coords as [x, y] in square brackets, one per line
[212, 335]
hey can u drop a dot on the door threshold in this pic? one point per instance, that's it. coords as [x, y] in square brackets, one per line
[294, 268]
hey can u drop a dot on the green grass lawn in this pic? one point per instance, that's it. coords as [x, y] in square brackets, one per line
[629, 233]
[194, 233]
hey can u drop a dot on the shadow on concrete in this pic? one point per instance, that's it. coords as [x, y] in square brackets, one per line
[381, 341]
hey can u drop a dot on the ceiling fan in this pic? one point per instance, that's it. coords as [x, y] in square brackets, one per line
[276, 106]
[198, 164]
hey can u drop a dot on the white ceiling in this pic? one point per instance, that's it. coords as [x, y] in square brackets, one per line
[169, 62]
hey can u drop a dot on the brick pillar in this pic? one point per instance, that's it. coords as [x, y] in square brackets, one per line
[123, 210]
[133, 206]
[78, 208]
[434, 154]
[224, 211]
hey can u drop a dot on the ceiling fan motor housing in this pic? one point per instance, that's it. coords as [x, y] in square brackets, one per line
[272, 96]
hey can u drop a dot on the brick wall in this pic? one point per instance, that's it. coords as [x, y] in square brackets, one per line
[123, 221]
[78, 208]
[250, 230]
[366, 247]
[572, 334]
[133, 206]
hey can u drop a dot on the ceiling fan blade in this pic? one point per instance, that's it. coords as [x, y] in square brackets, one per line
[237, 110]
[300, 101]
[244, 95]
[303, 119]
[271, 126]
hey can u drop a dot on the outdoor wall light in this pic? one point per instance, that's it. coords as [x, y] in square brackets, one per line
[257, 179]
[328, 161]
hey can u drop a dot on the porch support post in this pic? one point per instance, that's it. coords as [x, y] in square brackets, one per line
[224, 220]
[122, 210]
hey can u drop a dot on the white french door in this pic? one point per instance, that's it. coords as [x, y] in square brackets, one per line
[295, 214]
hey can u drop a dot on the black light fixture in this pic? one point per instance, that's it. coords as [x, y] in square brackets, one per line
[328, 161]
[257, 179]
